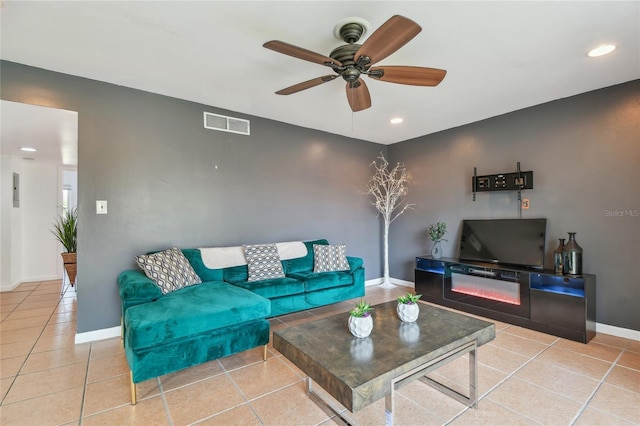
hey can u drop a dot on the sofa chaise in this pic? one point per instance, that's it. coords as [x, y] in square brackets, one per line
[226, 310]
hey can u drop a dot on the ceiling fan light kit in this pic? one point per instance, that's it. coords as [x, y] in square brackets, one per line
[352, 60]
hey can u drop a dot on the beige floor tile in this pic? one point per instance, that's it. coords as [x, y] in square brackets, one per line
[28, 286]
[625, 378]
[490, 413]
[57, 358]
[592, 349]
[458, 378]
[501, 359]
[536, 403]
[34, 305]
[517, 344]
[68, 328]
[607, 339]
[259, 379]
[4, 315]
[13, 298]
[633, 346]
[146, 412]
[11, 350]
[60, 341]
[15, 324]
[618, 402]
[54, 409]
[46, 382]
[576, 362]
[8, 307]
[405, 414]
[5, 384]
[20, 335]
[10, 367]
[630, 360]
[63, 317]
[242, 415]
[591, 416]
[438, 405]
[289, 406]
[191, 375]
[115, 392]
[110, 366]
[107, 347]
[558, 379]
[28, 313]
[244, 358]
[198, 401]
[546, 339]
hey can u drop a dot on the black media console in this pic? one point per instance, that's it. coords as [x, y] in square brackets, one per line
[537, 299]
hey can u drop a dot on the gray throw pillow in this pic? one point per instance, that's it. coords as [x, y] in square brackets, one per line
[330, 258]
[170, 269]
[263, 262]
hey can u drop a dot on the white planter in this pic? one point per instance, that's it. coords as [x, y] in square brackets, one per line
[408, 312]
[361, 326]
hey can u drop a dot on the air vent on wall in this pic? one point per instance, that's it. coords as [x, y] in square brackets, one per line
[226, 124]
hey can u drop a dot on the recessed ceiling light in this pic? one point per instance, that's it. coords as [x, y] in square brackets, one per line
[396, 120]
[28, 149]
[603, 49]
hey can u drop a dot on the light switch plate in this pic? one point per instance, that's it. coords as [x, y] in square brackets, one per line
[101, 207]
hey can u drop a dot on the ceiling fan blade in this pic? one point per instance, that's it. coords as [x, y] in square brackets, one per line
[413, 76]
[299, 52]
[306, 85]
[358, 96]
[391, 36]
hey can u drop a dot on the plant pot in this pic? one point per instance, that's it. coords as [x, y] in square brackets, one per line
[70, 266]
[361, 326]
[436, 250]
[408, 312]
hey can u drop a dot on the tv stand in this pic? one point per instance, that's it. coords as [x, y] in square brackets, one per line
[537, 299]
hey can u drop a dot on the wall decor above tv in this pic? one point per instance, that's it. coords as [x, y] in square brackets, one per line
[504, 241]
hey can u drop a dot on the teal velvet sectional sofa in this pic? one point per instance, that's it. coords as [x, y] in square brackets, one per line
[224, 314]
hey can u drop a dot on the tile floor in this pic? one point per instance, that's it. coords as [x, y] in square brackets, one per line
[525, 377]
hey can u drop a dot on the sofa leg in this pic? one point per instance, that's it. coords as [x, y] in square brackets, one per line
[264, 355]
[134, 400]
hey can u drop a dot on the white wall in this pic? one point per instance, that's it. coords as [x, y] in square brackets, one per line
[40, 252]
[10, 224]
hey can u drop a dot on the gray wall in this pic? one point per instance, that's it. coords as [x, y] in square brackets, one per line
[151, 159]
[585, 155]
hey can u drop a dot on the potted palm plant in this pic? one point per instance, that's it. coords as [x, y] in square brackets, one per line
[65, 229]
[360, 319]
[408, 308]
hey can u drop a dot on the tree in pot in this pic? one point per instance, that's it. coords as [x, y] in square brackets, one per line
[65, 229]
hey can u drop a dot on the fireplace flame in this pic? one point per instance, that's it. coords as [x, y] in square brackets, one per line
[488, 294]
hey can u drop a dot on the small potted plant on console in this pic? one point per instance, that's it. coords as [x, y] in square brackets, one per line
[360, 319]
[408, 308]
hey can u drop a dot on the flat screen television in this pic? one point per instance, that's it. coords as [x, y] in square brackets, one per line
[505, 241]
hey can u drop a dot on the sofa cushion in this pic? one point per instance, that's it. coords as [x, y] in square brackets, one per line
[236, 274]
[263, 262]
[170, 269]
[323, 280]
[330, 258]
[276, 287]
[194, 256]
[305, 263]
[192, 310]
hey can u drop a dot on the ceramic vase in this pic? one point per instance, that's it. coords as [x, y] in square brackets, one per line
[408, 312]
[572, 254]
[361, 326]
[436, 249]
[558, 259]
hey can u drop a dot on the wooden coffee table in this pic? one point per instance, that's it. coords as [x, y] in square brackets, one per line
[358, 372]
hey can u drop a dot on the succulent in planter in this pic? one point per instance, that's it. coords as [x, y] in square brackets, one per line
[360, 319]
[65, 230]
[408, 309]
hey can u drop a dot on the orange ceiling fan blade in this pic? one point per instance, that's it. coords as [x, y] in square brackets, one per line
[413, 76]
[306, 85]
[391, 36]
[358, 95]
[299, 52]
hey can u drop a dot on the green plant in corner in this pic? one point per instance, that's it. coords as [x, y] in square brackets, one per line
[65, 229]
[437, 231]
[362, 309]
[409, 298]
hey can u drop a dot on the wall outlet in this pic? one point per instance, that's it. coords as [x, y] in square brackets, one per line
[525, 203]
[101, 207]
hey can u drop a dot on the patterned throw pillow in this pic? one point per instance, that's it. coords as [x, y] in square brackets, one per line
[330, 258]
[263, 261]
[170, 269]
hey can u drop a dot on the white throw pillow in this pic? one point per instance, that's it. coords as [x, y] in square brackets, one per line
[263, 262]
[170, 269]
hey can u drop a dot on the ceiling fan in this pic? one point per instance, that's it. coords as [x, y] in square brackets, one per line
[352, 60]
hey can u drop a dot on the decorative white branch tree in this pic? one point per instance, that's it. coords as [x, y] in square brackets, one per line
[389, 189]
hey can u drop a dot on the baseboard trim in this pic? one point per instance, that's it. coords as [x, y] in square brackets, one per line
[92, 336]
[626, 333]
[378, 281]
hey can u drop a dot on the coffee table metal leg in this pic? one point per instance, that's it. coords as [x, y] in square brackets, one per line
[389, 403]
[327, 406]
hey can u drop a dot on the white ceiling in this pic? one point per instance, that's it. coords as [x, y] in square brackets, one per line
[500, 56]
